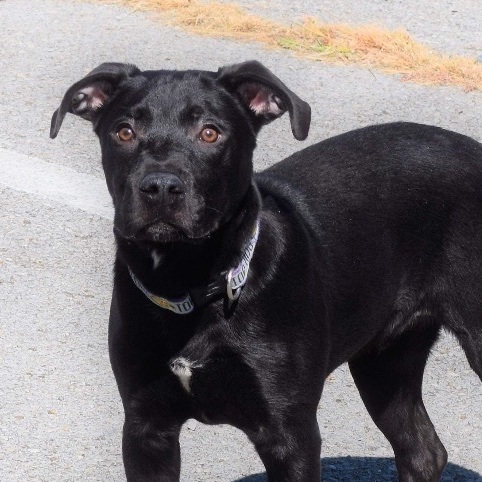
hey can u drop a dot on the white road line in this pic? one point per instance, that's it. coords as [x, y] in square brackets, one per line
[58, 183]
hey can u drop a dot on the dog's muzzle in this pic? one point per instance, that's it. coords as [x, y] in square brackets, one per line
[154, 209]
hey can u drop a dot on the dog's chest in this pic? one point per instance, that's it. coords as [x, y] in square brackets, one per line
[221, 383]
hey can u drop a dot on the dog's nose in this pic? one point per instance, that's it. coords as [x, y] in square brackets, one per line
[160, 184]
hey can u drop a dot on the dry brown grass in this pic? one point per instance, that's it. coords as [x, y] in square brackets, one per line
[371, 46]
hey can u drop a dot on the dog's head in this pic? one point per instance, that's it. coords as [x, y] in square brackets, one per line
[177, 146]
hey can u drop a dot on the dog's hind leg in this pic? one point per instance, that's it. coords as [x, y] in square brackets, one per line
[390, 384]
[458, 284]
[469, 336]
[472, 346]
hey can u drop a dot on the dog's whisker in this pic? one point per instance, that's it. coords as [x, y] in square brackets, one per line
[213, 209]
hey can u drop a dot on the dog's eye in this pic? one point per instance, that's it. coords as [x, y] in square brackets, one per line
[209, 134]
[125, 133]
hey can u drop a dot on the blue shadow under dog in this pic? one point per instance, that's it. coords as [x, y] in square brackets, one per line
[372, 469]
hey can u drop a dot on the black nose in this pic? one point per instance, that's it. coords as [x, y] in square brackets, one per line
[160, 184]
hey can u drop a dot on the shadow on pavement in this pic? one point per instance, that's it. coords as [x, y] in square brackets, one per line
[372, 469]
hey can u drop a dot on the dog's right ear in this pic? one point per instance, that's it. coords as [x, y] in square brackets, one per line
[88, 96]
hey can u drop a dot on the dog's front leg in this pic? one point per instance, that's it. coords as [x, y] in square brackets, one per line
[290, 446]
[150, 453]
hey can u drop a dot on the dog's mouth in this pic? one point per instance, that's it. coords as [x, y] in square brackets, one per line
[162, 232]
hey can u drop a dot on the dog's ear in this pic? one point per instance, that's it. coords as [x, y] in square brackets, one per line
[266, 96]
[88, 96]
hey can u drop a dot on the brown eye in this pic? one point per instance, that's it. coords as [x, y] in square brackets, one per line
[209, 134]
[125, 133]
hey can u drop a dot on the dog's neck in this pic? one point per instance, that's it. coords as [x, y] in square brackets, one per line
[171, 269]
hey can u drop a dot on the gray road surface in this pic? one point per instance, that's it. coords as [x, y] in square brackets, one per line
[60, 414]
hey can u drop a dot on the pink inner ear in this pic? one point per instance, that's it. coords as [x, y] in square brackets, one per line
[261, 100]
[260, 103]
[95, 98]
[264, 103]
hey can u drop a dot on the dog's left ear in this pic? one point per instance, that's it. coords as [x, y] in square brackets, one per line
[266, 96]
[87, 97]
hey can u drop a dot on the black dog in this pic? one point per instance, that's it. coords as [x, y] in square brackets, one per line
[359, 249]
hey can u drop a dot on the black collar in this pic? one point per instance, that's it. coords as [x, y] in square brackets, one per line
[228, 284]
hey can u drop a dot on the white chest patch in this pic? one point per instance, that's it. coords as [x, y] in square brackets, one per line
[156, 257]
[182, 368]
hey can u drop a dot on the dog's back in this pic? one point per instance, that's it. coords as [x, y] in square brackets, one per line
[397, 209]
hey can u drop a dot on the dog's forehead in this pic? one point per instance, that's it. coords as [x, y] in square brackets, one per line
[177, 91]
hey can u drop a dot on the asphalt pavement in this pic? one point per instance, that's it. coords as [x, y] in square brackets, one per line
[60, 413]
